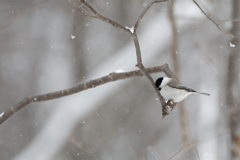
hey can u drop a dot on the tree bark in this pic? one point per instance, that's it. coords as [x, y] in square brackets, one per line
[232, 85]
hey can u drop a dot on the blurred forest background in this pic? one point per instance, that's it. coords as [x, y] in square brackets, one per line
[48, 45]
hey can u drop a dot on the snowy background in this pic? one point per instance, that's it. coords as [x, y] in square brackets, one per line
[48, 45]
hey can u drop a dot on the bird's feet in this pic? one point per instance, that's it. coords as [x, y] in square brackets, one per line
[168, 108]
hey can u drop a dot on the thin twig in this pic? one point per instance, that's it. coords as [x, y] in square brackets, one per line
[213, 20]
[177, 153]
[196, 151]
[144, 11]
[96, 155]
[104, 139]
[79, 145]
[88, 85]
[224, 20]
[210, 138]
[195, 142]
[94, 146]
[99, 16]
[73, 4]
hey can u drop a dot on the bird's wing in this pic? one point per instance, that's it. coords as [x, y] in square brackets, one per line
[176, 84]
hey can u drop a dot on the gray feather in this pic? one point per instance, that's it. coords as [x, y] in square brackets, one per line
[176, 84]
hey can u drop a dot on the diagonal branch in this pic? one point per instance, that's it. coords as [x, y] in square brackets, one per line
[97, 15]
[144, 11]
[88, 85]
[213, 20]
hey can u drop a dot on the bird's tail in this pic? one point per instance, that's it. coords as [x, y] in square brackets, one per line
[202, 93]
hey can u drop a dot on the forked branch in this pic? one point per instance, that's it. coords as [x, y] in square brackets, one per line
[85, 7]
[133, 34]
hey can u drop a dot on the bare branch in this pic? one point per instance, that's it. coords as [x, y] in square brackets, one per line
[142, 68]
[81, 7]
[190, 144]
[88, 85]
[166, 111]
[196, 151]
[213, 137]
[144, 11]
[104, 139]
[79, 145]
[73, 4]
[95, 146]
[207, 15]
[177, 153]
[99, 16]
[96, 155]
[198, 141]
[224, 20]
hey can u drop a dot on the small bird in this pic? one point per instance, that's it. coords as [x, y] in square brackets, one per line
[173, 90]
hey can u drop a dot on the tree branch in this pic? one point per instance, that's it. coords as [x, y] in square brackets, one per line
[213, 20]
[97, 15]
[165, 108]
[88, 85]
[144, 11]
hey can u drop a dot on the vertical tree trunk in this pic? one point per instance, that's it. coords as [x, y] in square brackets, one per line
[182, 112]
[232, 85]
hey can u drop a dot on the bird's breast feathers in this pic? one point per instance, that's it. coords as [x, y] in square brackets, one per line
[174, 94]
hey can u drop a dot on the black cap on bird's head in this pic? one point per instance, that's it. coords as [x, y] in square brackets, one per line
[158, 83]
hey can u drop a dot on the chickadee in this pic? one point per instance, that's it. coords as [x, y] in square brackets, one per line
[173, 90]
